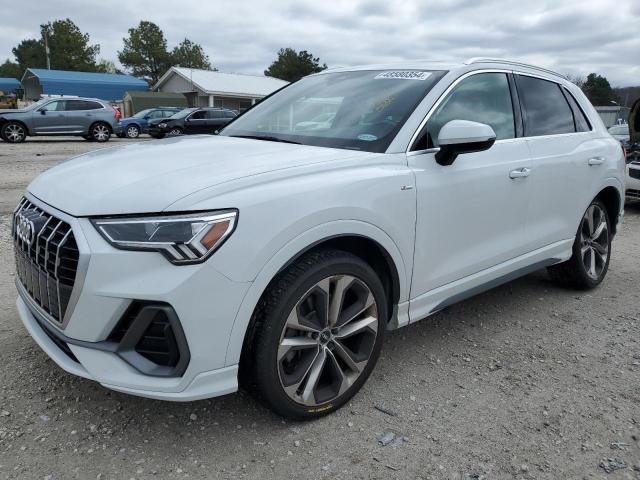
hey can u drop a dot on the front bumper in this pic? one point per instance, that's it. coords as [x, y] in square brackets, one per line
[109, 281]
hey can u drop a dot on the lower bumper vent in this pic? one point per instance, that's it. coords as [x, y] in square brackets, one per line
[150, 338]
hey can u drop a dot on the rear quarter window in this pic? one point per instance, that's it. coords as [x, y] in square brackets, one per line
[545, 109]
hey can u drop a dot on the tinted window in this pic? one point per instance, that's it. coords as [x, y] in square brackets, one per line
[198, 115]
[81, 105]
[155, 114]
[483, 98]
[544, 107]
[215, 114]
[582, 123]
[168, 113]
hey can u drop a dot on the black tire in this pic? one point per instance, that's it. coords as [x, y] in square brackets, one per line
[100, 132]
[175, 131]
[132, 131]
[261, 369]
[575, 272]
[13, 132]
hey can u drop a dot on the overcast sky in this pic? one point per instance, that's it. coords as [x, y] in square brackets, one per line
[570, 36]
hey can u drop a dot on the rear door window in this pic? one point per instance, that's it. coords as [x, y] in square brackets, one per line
[545, 109]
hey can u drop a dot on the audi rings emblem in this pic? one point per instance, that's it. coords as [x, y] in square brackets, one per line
[25, 229]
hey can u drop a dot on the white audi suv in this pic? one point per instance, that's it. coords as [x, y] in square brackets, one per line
[276, 258]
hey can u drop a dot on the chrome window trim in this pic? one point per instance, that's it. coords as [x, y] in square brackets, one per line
[448, 90]
[84, 256]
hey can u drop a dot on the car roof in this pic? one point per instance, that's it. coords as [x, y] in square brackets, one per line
[475, 63]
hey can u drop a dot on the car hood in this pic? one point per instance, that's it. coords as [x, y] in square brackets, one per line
[149, 176]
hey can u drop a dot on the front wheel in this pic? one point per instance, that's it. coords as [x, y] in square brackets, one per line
[133, 131]
[316, 335]
[589, 263]
[13, 132]
[175, 131]
[100, 132]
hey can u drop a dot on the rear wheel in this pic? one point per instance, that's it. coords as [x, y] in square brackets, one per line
[316, 335]
[100, 132]
[133, 131]
[589, 263]
[13, 132]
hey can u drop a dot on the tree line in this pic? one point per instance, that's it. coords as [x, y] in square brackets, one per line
[145, 54]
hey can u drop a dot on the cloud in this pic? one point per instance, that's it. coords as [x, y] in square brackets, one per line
[574, 36]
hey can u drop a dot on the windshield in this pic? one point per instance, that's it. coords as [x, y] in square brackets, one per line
[183, 113]
[361, 110]
[143, 113]
[619, 130]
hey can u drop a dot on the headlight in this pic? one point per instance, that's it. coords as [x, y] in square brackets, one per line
[162, 125]
[183, 239]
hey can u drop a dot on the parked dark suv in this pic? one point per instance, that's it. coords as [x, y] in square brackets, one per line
[192, 121]
[90, 118]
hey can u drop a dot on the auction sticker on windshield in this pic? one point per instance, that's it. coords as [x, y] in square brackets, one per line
[404, 75]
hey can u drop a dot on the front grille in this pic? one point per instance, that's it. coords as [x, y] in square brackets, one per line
[634, 172]
[46, 263]
[632, 193]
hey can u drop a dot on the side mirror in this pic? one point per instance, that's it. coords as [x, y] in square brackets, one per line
[42, 111]
[462, 136]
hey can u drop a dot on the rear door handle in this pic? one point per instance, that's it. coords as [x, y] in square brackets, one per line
[520, 172]
[596, 161]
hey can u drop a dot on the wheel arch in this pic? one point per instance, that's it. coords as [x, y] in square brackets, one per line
[612, 200]
[368, 243]
[4, 121]
[94, 123]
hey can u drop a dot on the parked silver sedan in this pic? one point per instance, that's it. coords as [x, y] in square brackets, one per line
[90, 118]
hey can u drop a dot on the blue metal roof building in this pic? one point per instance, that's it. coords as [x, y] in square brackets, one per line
[8, 85]
[106, 86]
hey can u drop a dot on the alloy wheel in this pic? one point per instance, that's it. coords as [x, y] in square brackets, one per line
[175, 131]
[101, 133]
[133, 132]
[14, 133]
[594, 241]
[327, 340]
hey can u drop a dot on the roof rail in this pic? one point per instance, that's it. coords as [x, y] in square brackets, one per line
[511, 62]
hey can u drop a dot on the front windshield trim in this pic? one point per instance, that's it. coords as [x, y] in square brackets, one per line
[334, 127]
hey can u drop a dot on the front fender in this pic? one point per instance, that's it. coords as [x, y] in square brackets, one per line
[289, 251]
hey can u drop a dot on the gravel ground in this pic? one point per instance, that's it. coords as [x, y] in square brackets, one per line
[526, 381]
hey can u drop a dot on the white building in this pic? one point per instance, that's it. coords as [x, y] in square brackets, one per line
[215, 89]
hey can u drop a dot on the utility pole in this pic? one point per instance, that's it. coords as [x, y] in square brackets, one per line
[46, 47]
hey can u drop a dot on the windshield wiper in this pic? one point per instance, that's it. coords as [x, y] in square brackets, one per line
[266, 138]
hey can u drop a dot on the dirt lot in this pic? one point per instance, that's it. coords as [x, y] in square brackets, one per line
[526, 381]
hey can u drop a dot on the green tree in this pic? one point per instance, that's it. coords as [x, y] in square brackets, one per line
[145, 52]
[30, 53]
[69, 48]
[598, 90]
[291, 65]
[190, 55]
[10, 69]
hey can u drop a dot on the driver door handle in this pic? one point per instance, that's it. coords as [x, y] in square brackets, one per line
[596, 161]
[520, 172]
